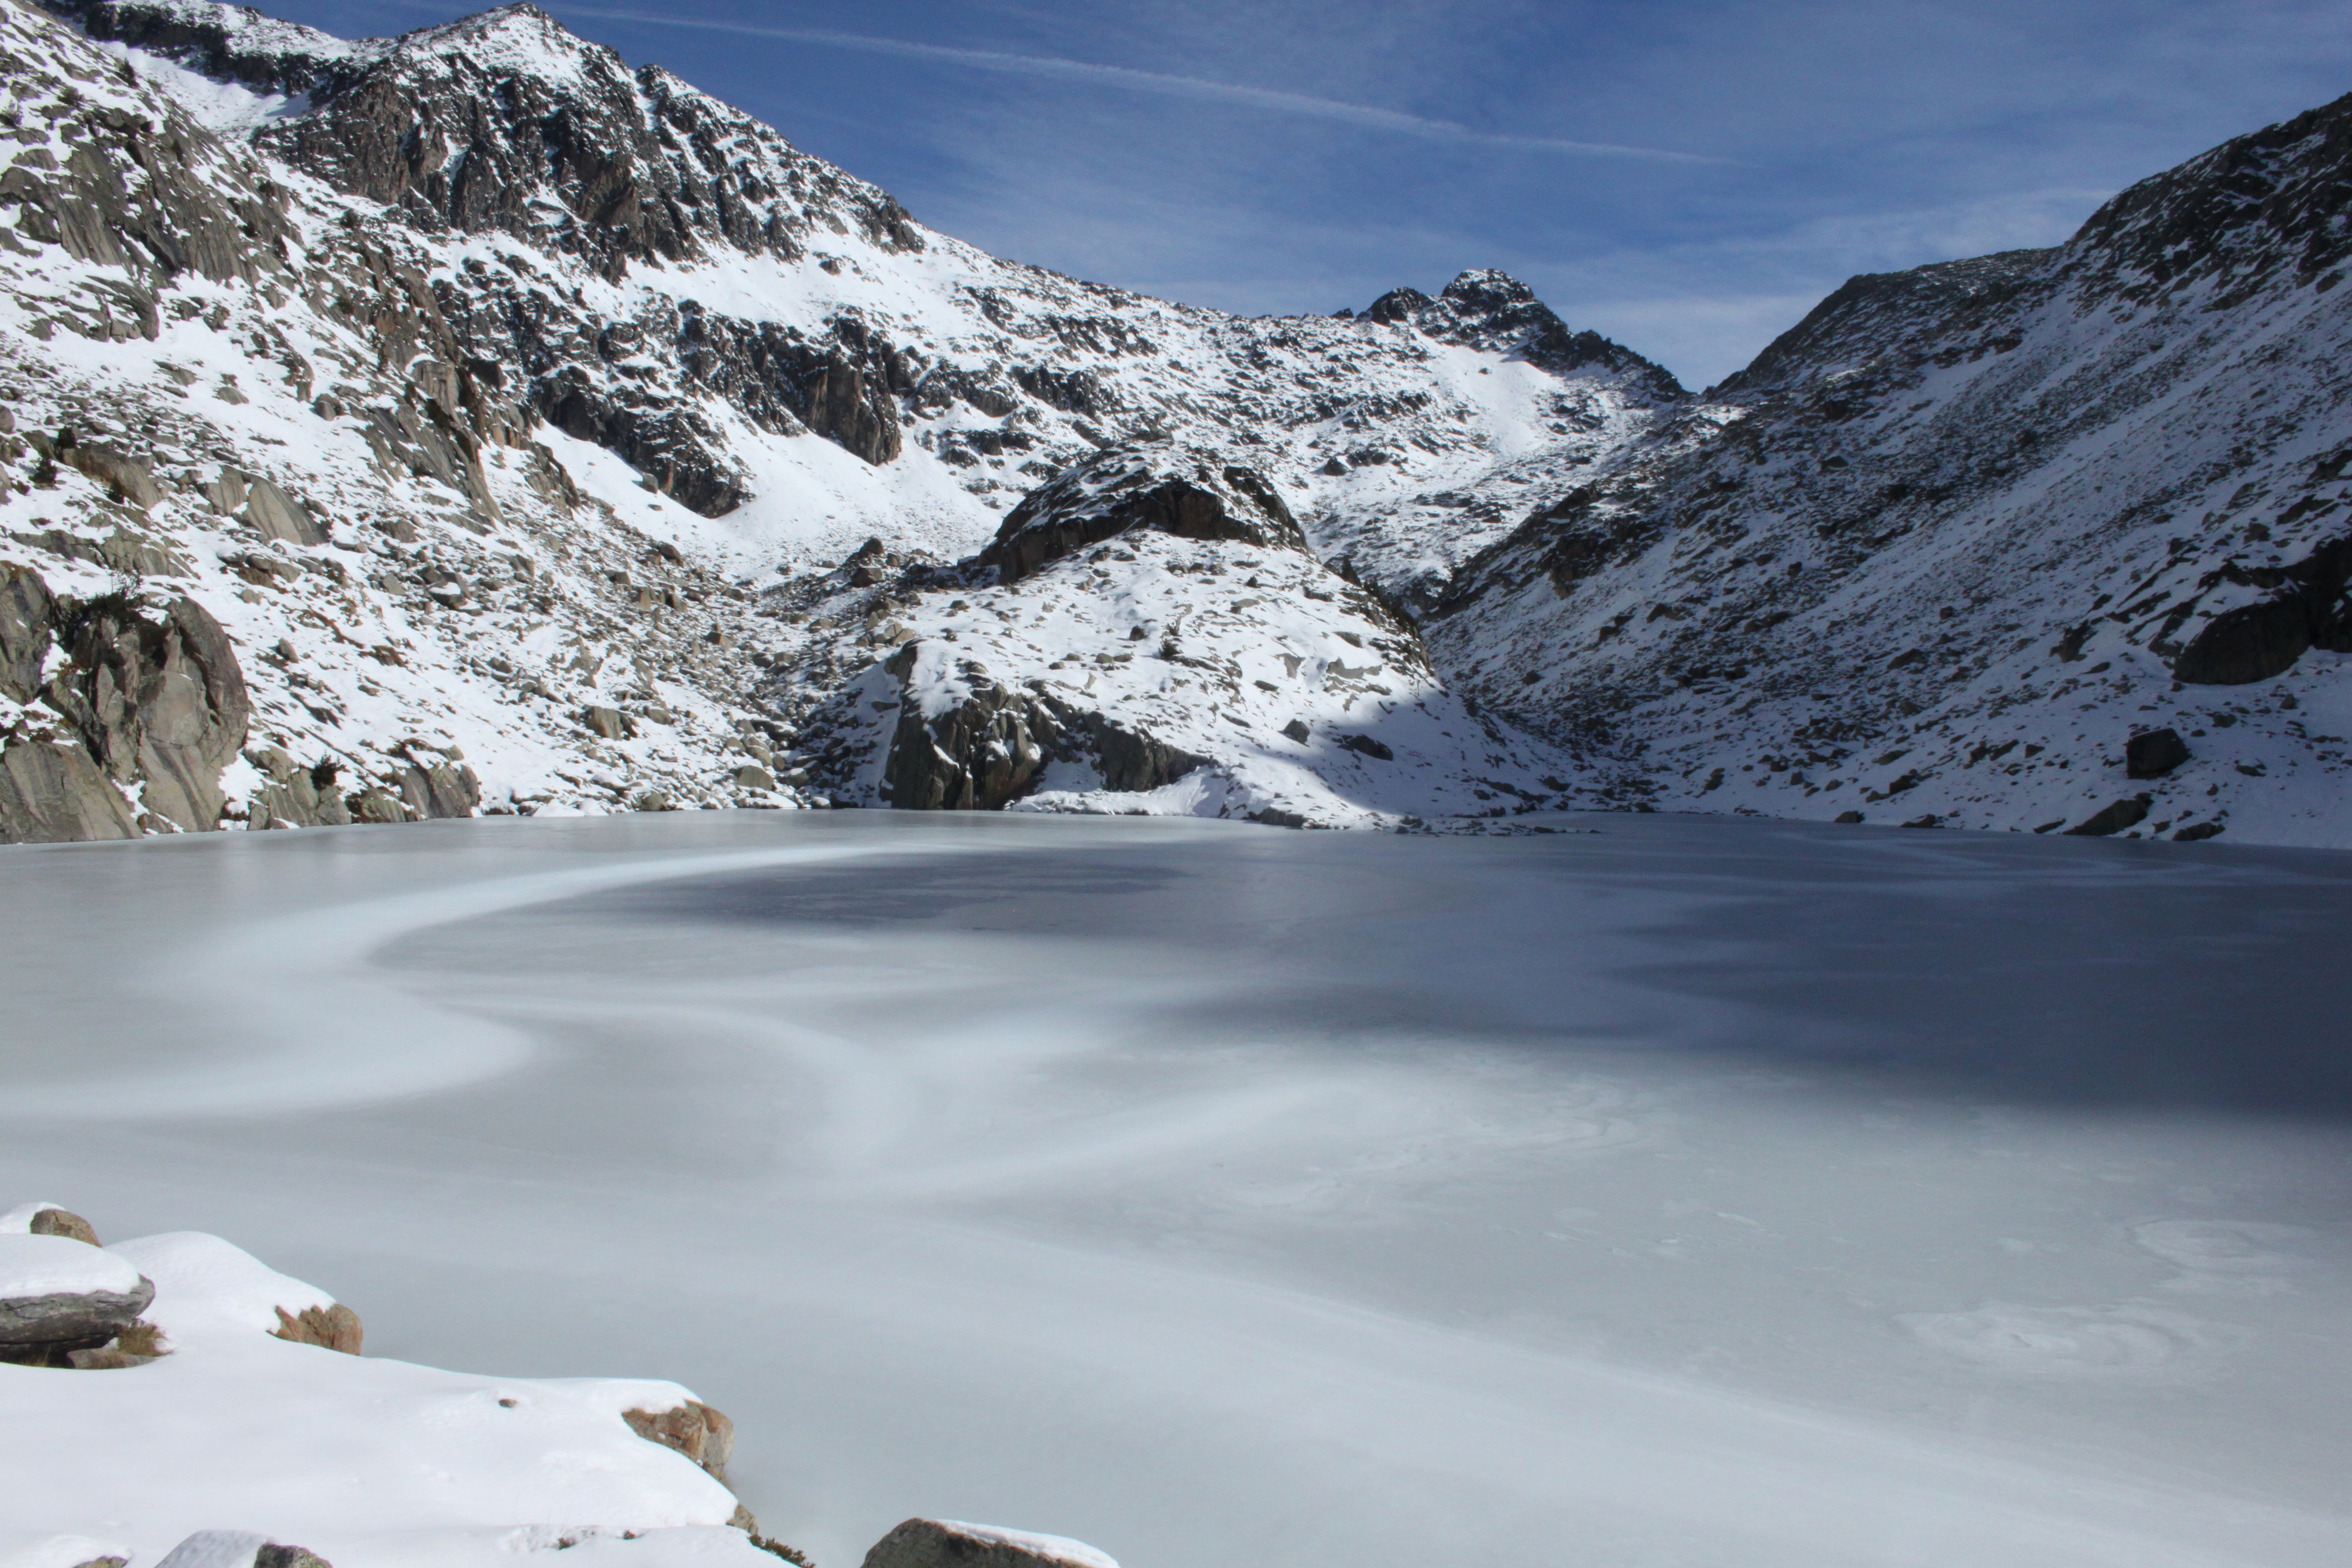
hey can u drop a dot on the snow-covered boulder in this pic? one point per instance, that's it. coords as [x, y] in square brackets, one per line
[58, 1294]
[247, 1437]
[951, 1543]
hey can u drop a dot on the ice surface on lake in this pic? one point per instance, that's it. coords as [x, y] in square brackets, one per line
[1664, 1192]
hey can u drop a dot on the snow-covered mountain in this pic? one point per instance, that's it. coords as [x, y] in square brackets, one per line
[524, 432]
[556, 367]
[1946, 546]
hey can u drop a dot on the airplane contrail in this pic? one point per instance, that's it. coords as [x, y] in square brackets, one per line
[1423, 126]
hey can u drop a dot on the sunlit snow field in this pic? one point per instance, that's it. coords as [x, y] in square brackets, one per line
[1661, 1191]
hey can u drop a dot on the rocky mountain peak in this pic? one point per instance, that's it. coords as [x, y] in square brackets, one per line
[1490, 310]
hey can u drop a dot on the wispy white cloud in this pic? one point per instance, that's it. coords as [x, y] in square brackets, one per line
[1048, 66]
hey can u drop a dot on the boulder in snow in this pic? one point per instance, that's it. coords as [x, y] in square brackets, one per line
[2112, 819]
[2153, 753]
[949, 1543]
[238, 1549]
[59, 1295]
[703, 1434]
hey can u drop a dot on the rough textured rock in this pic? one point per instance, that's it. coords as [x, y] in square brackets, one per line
[992, 746]
[1495, 312]
[2113, 819]
[1188, 492]
[56, 794]
[157, 699]
[61, 1222]
[440, 790]
[332, 1327]
[26, 616]
[948, 1543]
[295, 796]
[2152, 753]
[279, 516]
[41, 1323]
[700, 1433]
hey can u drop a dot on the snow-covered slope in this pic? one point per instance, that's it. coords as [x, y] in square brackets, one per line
[1950, 542]
[561, 362]
[1149, 634]
[637, 438]
[222, 1431]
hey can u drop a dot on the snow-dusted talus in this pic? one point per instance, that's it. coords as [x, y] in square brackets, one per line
[1947, 544]
[1149, 633]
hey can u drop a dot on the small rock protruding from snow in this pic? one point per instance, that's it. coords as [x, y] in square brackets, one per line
[333, 1327]
[238, 1549]
[951, 1543]
[693, 1428]
[47, 1219]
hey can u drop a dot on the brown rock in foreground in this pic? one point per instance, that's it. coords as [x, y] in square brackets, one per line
[332, 1328]
[947, 1544]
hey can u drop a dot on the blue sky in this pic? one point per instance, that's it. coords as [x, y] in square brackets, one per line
[1685, 175]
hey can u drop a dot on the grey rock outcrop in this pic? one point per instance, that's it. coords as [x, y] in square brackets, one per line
[440, 790]
[2110, 820]
[992, 748]
[238, 1549]
[295, 796]
[148, 699]
[40, 1326]
[279, 516]
[159, 699]
[1186, 492]
[56, 794]
[948, 1543]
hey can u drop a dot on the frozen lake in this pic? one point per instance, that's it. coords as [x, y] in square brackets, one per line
[1661, 1191]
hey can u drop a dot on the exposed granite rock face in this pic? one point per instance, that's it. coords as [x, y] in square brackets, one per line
[2305, 606]
[154, 198]
[56, 794]
[993, 747]
[2152, 753]
[152, 699]
[1187, 492]
[156, 699]
[440, 790]
[506, 123]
